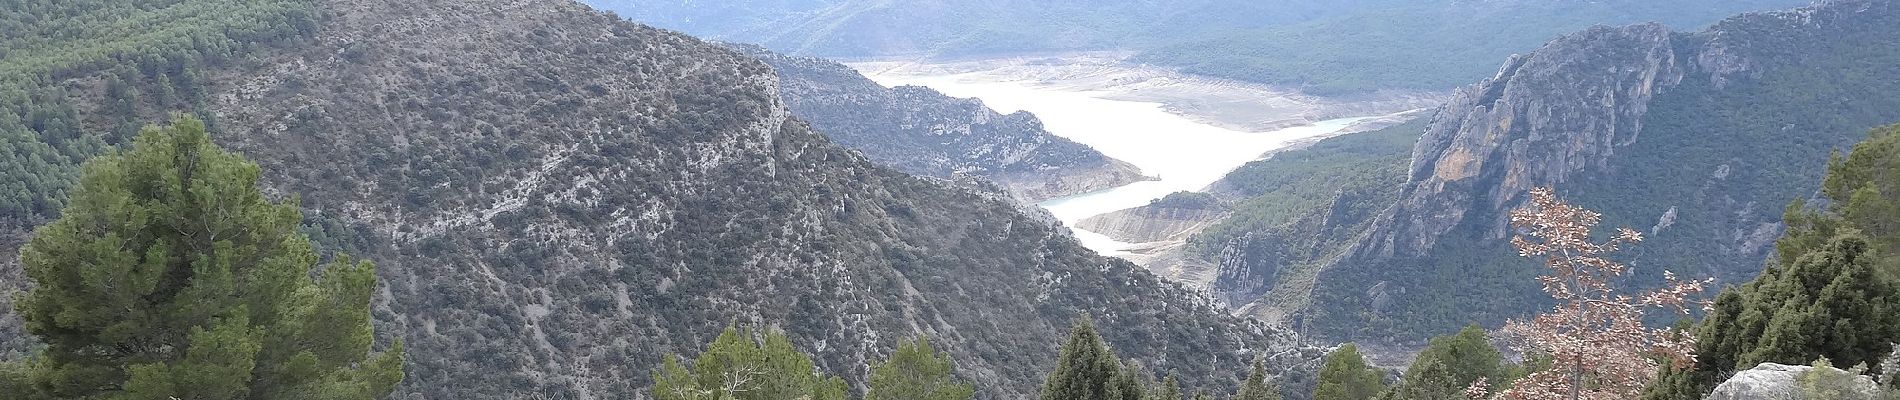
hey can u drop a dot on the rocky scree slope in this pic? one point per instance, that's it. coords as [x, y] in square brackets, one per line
[555, 199]
[1697, 139]
[918, 130]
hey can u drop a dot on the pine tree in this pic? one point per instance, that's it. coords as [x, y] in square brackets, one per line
[168, 275]
[1126, 386]
[1169, 390]
[1451, 363]
[1087, 370]
[1345, 376]
[737, 367]
[1256, 386]
[1428, 379]
[916, 372]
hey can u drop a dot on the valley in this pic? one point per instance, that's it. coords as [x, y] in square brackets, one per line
[1185, 132]
[949, 199]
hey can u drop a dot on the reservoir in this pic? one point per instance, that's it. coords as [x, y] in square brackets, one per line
[1185, 154]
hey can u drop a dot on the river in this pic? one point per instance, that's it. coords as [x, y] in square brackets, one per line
[1185, 154]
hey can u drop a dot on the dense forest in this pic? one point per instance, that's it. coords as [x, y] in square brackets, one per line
[81, 76]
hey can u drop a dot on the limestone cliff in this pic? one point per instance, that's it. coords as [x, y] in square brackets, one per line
[1561, 110]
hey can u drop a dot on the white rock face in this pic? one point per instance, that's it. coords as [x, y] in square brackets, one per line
[1770, 381]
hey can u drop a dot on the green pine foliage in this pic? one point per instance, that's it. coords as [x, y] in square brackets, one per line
[1345, 376]
[59, 38]
[1088, 370]
[1831, 290]
[149, 53]
[739, 365]
[1169, 390]
[917, 372]
[13, 378]
[1256, 386]
[1451, 363]
[169, 275]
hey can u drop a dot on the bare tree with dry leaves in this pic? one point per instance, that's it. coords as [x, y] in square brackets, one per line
[1595, 338]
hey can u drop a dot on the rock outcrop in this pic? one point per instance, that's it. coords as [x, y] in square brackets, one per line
[920, 131]
[1770, 381]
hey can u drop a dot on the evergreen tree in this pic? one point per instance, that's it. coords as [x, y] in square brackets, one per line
[1256, 387]
[1451, 363]
[1126, 386]
[916, 372]
[168, 275]
[1087, 370]
[1345, 376]
[737, 367]
[1427, 380]
[1169, 390]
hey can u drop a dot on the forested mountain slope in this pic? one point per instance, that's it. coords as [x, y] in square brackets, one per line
[556, 198]
[960, 27]
[920, 131]
[1419, 45]
[1696, 139]
[1327, 47]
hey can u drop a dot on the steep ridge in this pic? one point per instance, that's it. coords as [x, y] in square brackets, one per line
[920, 131]
[556, 199]
[1698, 139]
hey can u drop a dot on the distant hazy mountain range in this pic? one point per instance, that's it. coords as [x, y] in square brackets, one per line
[1328, 46]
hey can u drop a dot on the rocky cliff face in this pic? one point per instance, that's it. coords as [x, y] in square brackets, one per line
[923, 132]
[1562, 110]
[1698, 139]
[556, 199]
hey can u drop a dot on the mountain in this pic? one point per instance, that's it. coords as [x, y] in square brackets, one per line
[1697, 139]
[1418, 45]
[555, 198]
[857, 28]
[918, 130]
[1335, 48]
